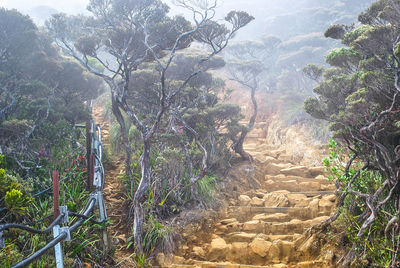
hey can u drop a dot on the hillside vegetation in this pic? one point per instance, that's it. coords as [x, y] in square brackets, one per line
[291, 112]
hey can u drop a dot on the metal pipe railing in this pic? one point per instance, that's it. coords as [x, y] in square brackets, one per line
[96, 199]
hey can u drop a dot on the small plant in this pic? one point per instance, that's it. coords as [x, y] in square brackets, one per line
[156, 236]
[141, 261]
[206, 187]
[16, 202]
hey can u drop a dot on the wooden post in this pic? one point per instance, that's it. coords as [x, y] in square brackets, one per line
[88, 154]
[91, 172]
[56, 193]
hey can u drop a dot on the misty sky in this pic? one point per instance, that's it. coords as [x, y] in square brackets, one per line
[68, 6]
[79, 6]
[262, 10]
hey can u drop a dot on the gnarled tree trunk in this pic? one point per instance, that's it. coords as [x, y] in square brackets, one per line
[238, 146]
[128, 151]
[140, 195]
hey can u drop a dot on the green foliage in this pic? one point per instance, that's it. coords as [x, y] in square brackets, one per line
[343, 57]
[206, 187]
[12, 195]
[374, 248]
[156, 235]
[359, 98]
[86, 245]
[42, 95]
[16, 202]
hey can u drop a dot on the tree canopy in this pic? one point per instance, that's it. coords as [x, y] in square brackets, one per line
[41, 91]
[123, 36]
[359, 96]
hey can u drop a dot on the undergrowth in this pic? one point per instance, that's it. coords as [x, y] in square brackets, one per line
[16, 196]
[374, 247]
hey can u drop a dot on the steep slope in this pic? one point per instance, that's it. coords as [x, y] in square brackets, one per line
[265, 226]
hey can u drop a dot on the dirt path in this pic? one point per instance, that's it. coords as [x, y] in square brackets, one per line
[265, 227]
[114, 196]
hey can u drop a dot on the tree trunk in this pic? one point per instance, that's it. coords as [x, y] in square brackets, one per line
[118, 115]
[238, 147]
[140, 196]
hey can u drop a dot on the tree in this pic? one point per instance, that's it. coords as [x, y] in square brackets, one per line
[246, 73]
[131, 33]
[250, 65]
[359, 96]
[40, 92]
[196, 129]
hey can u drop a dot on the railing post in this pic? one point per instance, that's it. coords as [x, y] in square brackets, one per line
[56, 229]
[91, 172]
[56, 193]
[57, 248]
[88, 154]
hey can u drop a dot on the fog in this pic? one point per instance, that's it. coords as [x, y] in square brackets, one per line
[272, 16]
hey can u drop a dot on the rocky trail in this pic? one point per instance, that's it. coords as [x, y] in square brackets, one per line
[265, 226]
[114, 196]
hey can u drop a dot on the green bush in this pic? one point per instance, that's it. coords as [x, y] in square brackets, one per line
[206, 187]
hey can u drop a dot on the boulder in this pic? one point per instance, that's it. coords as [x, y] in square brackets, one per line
[218, 249]
[275, 169]
[314, 207]
[244, 200]
[317, 171]
[286, 158]
[239, 252]
[287, 249]
[310, 247]
[321, 177]
[218, 244]
[300, 171]
[163, 260]
[276, 199]
[199, 252]
[242, 237]
[269, 159]
[328, 187]
[260, 246]
[294, 198]
[274, 153]
[330, 197]
[310, 186]
[253, 226]
[257, 202]
[325, 206]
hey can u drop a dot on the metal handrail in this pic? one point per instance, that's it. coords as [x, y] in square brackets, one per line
[96, 198]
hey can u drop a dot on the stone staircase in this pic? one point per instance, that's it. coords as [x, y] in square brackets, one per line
[264, 227]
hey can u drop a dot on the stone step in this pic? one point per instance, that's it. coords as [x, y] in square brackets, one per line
[262, 226]
[281, 177]
[254, 135]
[313, 264]
[249, 237]
[292, 227]
[292, 185]
[282, 198]
[207, 264]
[257, 252]
[298, 186]
[245, 213]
